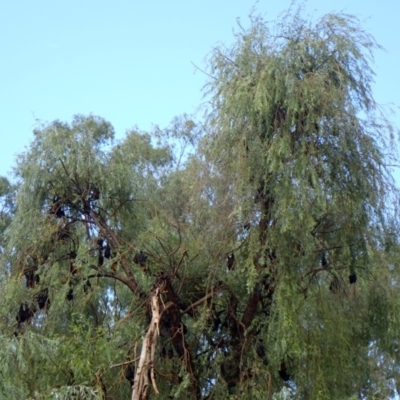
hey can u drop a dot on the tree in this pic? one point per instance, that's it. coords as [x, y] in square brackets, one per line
[301, 141]
[254, 256]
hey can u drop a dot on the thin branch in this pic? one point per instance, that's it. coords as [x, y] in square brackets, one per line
[198, 302]
[124, 363]
[180, 240]
[131, 285]
[204, 72]
[159, 241]
[66, 171]
[184, 253]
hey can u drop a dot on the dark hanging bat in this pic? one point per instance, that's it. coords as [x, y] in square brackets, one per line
[257, 294]
[100, 252]
[260, 350]
[216, 322]
[283, 372]
[70, 294]
[168, 354]
[95, 194]
[165, 324]
[129, 374]
[352, 278]
[324, 261]
[230, 261]
[141, 258]
[25, 314]
[56, 208]
[107, 251]
[43, 300]
[32, 279]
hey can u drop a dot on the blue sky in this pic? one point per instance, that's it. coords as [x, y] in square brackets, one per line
[131, 61]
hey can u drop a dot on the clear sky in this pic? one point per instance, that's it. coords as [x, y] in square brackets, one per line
[130, 61]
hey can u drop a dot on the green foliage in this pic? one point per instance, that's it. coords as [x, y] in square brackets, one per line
[273, 227]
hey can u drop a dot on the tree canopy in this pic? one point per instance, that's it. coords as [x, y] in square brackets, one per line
[252, 255]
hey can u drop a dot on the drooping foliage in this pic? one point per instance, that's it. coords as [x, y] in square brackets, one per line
[254, 256]
[298, 135]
